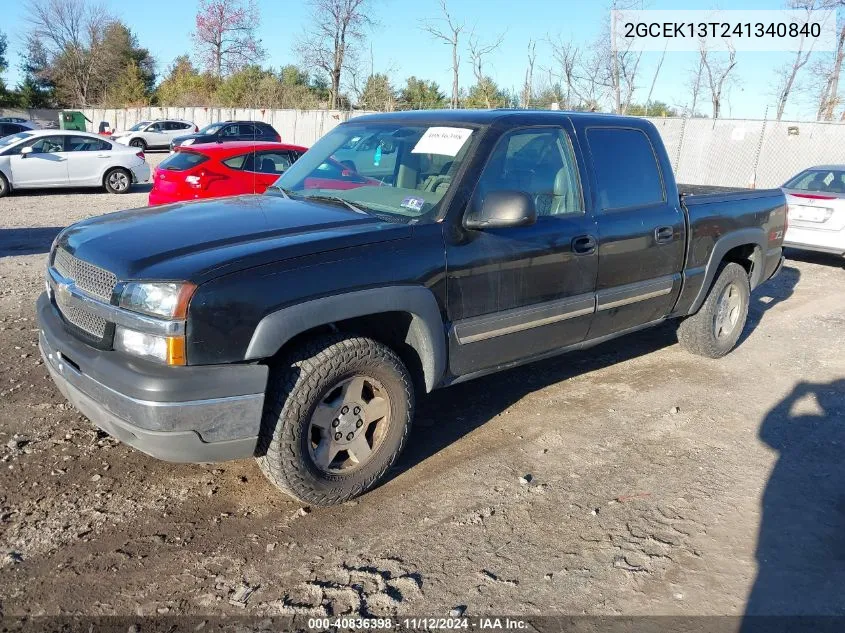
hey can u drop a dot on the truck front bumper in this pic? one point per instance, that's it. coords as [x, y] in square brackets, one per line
[145, 406]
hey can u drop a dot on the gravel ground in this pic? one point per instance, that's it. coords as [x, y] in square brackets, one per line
[629, 479]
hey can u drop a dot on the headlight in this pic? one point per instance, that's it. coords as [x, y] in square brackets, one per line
[165, 349]
[162, 299]
[188, 141]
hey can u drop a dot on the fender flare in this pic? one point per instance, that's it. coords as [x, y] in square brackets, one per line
[426, 333]
[743, 237]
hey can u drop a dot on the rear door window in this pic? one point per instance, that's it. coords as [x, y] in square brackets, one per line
[626, 169]
[86, 144]
[271, 162]
[180, 161]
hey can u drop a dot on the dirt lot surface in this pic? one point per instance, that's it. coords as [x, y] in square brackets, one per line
[628, 479]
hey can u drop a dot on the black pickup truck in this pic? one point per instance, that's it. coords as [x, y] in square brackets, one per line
[299, 326]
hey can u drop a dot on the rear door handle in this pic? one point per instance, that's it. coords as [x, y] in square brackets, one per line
[584, 245]
[663, 234]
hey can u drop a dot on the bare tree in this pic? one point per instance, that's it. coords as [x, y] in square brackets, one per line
[789, 72]
[225, 35]
[622, 63]
[448, 30]
[338, 27]
[654, 79]
[69, 34]
[567, 57]
[477, 53]
[696, 77]
[528, 87]
[716, 73]
[828, 95]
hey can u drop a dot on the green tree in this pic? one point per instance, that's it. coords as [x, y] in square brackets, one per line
[652, 108]
[129, 89]
[421, 94]
[378, 94]
[484, 92]
[292, 75]
[185, 86]
[243, 88]
[6, 98]
[32, 94]
[121, 49]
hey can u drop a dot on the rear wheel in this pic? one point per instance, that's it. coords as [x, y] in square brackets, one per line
[338, 414]
[139, 143]
[117, 180]
[714, 330]
[4, 186]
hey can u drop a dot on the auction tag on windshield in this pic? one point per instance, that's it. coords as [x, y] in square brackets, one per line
[446, 141]
[415, 204]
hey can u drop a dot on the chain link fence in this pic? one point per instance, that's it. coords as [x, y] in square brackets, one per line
[748, 153]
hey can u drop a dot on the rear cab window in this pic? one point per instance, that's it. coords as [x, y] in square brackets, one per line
[626, 169]
[180, 161]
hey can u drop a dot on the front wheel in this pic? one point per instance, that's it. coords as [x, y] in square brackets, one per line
[4, 186]
[117, 180]
[714, 330]
[138, 142]
[338, 414]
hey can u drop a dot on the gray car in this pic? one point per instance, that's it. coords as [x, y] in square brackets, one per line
[154, 134]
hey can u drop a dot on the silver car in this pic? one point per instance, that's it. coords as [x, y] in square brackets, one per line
[154, 134]
[816, 199]
[36, 159]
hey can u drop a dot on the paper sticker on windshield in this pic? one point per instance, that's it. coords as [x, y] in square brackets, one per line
[446, 141]
[414, 204]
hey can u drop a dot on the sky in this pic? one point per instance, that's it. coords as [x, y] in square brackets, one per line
[401, 48]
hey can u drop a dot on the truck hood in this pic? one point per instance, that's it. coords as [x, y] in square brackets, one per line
[198, 241]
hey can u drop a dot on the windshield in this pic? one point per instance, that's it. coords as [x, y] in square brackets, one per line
[397, 172]
[822, 180]
[138, 126]
[14, 138]
[211, 129]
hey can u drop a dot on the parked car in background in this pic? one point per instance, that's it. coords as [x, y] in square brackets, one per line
[227, 131]
[156, 134]
[16, 119]
[215, 170]
[36, 159]
[7, 129]
[816, 199]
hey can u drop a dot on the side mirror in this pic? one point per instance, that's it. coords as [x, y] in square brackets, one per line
[26, 151]
[502, 209]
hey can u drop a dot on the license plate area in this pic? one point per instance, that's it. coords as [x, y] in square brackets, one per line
[802, 213]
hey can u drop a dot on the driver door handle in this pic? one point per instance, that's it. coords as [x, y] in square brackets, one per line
[584, 245]
[664, 234]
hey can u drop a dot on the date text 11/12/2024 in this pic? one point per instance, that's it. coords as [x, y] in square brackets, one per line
[418, 623]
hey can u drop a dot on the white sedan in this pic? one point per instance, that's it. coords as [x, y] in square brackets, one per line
[816, 200]
[52, 159]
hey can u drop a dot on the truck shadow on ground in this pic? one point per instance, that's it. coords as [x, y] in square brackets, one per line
[801, 545]
[768, 296]
[445, 416]
[28, 241]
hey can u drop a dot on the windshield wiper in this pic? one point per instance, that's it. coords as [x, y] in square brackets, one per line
[281, 190]
[343, 201]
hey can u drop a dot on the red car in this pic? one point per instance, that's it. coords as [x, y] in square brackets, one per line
[213, 170]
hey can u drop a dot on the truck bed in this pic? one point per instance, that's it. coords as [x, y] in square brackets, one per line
[705, 194]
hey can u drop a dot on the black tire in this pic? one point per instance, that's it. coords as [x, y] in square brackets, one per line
[118, 180]
[308, 378]
[139, 143]
[4, 186]
[714, 330]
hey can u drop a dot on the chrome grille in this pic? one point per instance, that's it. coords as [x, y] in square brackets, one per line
[84, 320]
[94, 280]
